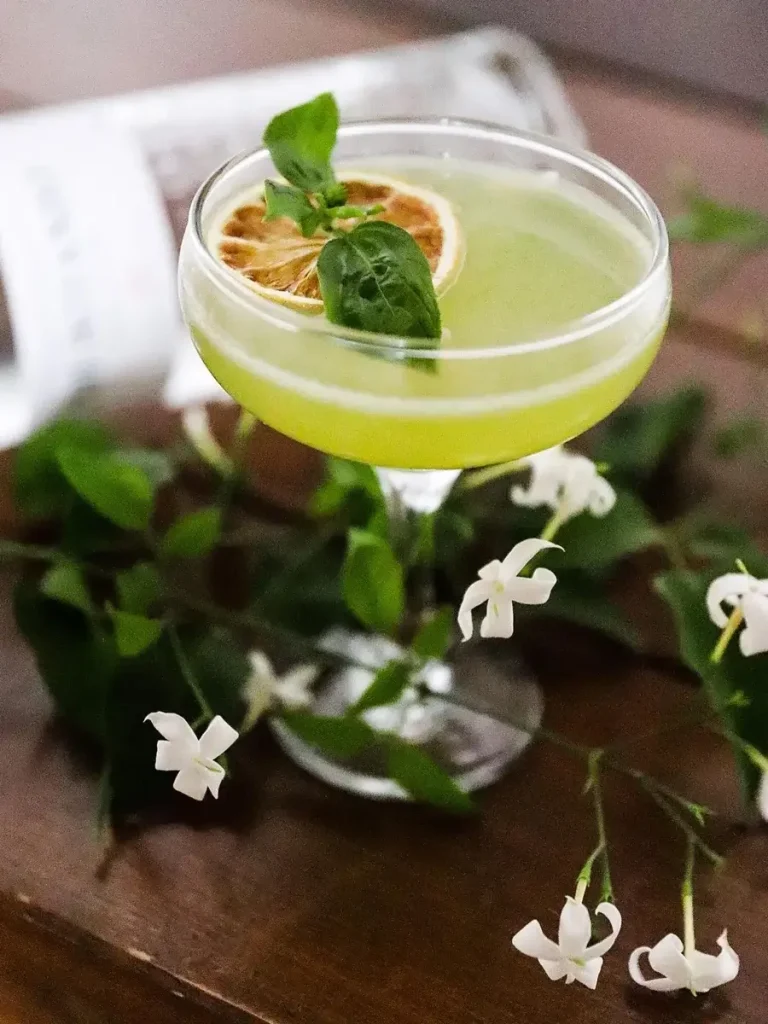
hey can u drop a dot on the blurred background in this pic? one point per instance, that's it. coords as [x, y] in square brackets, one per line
[671, 91]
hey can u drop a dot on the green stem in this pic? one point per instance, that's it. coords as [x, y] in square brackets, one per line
[481, 477]
[34, 552]
[686, 893]
[186, 671]
[554, 524]
[733, 623]
[690, 832]
[597, 797]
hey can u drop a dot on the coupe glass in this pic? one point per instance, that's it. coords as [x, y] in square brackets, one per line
[422, 417]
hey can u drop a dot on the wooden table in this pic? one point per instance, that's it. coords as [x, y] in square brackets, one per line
[290, 903]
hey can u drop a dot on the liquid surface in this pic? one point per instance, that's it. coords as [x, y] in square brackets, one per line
[539, 254]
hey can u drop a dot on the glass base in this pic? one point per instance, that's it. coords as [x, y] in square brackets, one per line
[472, 745]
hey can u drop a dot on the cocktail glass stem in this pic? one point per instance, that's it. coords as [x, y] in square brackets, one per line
[474, 747]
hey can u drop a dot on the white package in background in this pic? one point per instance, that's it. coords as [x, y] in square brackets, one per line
[94, 198]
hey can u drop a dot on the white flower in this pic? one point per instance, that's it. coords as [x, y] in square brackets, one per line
[500, 584]
[740, 590]
[263, 688]
[568, 483]
[194, 759]
[696, 971]
[197, 427]
[571, 957]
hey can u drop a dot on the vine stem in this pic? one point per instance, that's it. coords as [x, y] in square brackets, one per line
[187, 673]
[595, 783]
[663, 795]
[686, 894]
[733, 623]
[480, 477]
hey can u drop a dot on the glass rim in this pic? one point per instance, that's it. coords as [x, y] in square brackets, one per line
[576, 330]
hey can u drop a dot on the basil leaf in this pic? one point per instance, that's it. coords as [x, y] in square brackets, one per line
[376, 278]
[287, 201]
[301, 140]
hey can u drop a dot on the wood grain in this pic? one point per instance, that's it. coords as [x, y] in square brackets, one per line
[293, 902]
[289, 903]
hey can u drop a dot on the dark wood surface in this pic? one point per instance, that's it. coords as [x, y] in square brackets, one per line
[289, 903]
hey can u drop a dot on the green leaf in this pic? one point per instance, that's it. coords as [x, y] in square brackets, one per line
[41, 489]
[584, 604]
[741, 435]
[139, 587]
[158, 466]
[423, 548]
[343, 481]
[134, 633]
[301, 140]
[120, 492]
[435, 636]
[710, 221]
[721, 544]
[65, 582]
[373, 585]
[728, 683]
[287, 201]
[75, 658]
[194, 535]
[376, 278]
[596, 543]
[387, 687]
[419, 776]
[340, 737]
[637, 438]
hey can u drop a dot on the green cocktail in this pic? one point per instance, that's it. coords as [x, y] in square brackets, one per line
[555, 305]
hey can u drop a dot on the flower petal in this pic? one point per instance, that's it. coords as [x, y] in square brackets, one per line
[534, 590]
[575, 929]
[192, 781]
[587, 973]
[499, 621]
[214, 775]
[174, 728]
[732, 584]
[667, 958]
[754, 639]
[710, 971]
[532, 941]
[218, 737]
[293, 690]
[261, 666]
[602, 497]
[171, 757]
[490, 571]
[475, 594]
[555, 969]
[654, 984]
[612, 914]
[522, 553]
